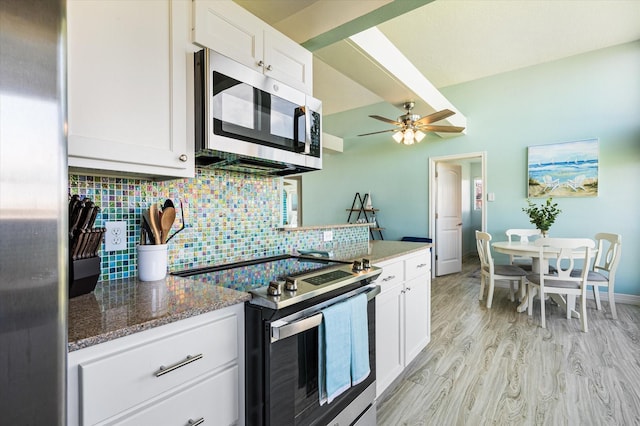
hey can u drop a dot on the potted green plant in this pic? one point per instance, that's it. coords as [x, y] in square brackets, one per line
[542, 216]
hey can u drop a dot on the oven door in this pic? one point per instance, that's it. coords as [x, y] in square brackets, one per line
[290, 372]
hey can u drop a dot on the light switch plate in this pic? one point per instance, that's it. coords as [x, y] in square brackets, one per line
[115, 237]
[327, 236]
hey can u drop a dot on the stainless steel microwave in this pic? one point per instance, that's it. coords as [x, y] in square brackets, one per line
[249, 122]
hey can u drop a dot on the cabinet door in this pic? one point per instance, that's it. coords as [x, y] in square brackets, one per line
[127, 87]
[287, 61]
[417, 316]
[389, 345]
[229, 29]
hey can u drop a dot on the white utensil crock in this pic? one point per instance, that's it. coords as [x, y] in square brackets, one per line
[152, 262]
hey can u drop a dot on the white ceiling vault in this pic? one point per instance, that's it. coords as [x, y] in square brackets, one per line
[448, 41]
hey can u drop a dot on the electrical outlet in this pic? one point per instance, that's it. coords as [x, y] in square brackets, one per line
[327, 236]
[115, 237]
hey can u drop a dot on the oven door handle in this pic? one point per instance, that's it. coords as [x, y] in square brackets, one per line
[282, 329]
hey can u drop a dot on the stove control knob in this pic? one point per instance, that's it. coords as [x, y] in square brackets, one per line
[366, 264]
[291, 284]
[357, 266]
[275, 288]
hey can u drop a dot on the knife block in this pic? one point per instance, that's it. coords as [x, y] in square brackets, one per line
[83, 276]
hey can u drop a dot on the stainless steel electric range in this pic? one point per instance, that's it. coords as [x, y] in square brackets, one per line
[281, 343]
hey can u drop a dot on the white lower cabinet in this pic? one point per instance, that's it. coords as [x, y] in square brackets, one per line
[403, 314]
[184, 371]
[389, 326]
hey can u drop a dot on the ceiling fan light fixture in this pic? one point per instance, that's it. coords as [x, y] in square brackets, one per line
[408, 125]
[408, 137]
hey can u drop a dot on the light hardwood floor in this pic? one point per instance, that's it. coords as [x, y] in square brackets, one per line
[498, 367]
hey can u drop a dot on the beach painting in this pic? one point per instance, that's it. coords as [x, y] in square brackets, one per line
[567, 169]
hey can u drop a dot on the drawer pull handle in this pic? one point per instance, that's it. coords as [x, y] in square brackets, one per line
[389, 278]
[422, 265]
[196, 422]
[188, 360]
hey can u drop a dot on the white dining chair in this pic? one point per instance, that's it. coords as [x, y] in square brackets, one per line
[523, 236]
[569, 251]
[492, 272]
[603, 271]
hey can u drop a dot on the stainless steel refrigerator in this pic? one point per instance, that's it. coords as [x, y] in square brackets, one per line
[33, 212]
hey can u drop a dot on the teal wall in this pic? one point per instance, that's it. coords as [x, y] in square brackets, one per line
[590, 95]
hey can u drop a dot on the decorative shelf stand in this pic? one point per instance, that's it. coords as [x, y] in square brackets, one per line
[366, 214]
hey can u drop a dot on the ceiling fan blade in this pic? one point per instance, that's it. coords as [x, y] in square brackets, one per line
[436, 116]
[386, 120]
[381, 131]
[443, 129]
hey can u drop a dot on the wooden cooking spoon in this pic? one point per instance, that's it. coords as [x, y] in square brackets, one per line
[166, 222]
[155, 225]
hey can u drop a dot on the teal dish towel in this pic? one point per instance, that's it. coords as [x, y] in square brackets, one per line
[360, 368]
[343, 348]
[334, 352]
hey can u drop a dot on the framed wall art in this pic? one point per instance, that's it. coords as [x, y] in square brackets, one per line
[568, 169]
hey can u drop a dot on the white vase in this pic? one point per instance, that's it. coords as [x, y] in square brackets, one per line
[368, 205]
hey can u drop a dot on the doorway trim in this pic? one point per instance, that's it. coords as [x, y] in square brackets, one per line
[433, 191]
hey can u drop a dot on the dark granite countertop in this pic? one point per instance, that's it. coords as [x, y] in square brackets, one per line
[123, 307]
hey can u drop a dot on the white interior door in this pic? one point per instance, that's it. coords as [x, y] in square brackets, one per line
[448, 245]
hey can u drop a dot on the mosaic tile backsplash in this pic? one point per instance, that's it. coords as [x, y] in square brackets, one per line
[228, 217]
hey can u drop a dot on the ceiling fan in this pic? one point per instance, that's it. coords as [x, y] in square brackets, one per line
[411, 127]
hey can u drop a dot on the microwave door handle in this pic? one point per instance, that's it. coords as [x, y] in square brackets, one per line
[307, 131]
[302, 112]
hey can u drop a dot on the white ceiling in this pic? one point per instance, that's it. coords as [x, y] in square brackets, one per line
[449, 41]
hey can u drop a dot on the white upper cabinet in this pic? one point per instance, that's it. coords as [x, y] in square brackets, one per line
[227, 28]
[130, 92]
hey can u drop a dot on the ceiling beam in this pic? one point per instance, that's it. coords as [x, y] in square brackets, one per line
[361, 23]
[379, 49]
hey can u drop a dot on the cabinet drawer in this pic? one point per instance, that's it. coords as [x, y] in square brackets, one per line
[113, 383]
[214, 400]
[417, 265]
[392, 274]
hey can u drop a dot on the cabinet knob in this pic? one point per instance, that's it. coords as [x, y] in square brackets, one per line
[263, 65]
[183, 158]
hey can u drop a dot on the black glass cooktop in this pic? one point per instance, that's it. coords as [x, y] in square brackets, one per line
[249, 275]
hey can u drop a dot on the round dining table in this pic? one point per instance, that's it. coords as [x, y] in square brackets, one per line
[529, 249]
